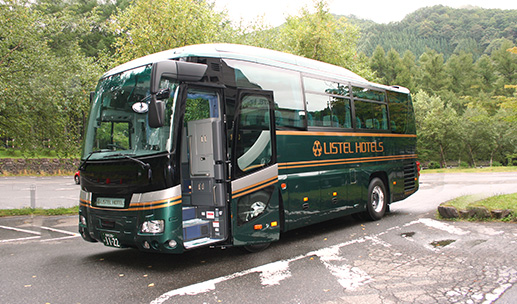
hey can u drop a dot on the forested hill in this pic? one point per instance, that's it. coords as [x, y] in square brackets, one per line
[444, 29]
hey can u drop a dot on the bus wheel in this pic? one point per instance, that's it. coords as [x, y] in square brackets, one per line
[376, 204]
[86, 235]
[256, 247]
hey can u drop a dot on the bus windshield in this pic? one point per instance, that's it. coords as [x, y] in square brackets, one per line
[118, 123]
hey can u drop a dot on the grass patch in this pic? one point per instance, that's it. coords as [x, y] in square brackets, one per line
[505, 202]
[471, 170]
[39, 211]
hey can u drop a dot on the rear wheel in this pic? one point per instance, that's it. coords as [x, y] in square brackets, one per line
[377, 202]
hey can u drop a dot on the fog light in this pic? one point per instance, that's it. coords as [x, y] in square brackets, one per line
[83, 220]
[154, 226]
[146, 245]
[173, 243]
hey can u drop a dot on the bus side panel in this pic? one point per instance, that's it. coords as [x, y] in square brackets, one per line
[304, 199]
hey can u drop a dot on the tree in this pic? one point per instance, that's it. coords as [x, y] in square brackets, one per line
[321, 37]
[150, 26]
[485, 71]
[407, 74]
[42, 88]
[506, 65]
[437, 127]
[394, 67]
[433, 76]
[475, 133]
[378, 62]
[460, 69]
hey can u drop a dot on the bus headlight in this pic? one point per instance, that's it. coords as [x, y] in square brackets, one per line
[153, 226]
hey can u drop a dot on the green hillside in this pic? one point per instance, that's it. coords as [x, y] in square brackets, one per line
[444, 29]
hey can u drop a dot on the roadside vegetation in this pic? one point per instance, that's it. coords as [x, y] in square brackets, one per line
[481, 208]
[471, 170]
[39, 211]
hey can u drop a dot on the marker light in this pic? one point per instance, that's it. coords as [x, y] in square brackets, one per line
[274, 224]
[257, 227]
[284, 186]
[153, 226]
[334, 194]
[305, 199]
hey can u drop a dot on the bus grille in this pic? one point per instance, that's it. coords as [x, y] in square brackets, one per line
[410, 173]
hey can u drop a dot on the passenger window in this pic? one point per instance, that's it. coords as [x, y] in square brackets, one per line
[371, 115]
[286, 85]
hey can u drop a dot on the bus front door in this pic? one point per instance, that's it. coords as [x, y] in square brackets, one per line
[255, 203]
[203, 168]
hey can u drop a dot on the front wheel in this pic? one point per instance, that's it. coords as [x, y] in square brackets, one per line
[256, 247]
[377, 202]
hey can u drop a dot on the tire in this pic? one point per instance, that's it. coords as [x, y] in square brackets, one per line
[377, 200]
[86, 235]
[256, 247]
[77, 180]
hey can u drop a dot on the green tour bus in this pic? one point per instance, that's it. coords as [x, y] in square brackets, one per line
[231, 145]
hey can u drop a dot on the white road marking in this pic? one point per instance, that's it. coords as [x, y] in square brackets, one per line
[20, 239]
[438, 225]
[60, 231]
[20, 230]
[344, 273]
[70, 234]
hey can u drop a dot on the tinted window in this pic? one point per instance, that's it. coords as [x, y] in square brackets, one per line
[325, 87]
[286, 85]
[402, 119]
[369, 94]
[370, 115]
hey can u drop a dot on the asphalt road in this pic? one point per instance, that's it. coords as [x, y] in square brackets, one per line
[40, 192]
[407, 257]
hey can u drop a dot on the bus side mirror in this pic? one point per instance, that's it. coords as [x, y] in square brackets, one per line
[169, 69]
[92, 96]
[156, 112]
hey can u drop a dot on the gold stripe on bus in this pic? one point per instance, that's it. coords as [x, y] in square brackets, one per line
[350, 134]
[333, 162]
[254, 189]
[172, 203]
[274, 179]
[138, 206]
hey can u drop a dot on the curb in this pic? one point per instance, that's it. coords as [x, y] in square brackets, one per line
[450, 212]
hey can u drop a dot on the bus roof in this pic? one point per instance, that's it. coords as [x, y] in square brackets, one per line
[253, 54]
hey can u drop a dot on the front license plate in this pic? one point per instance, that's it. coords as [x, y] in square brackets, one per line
[110, 202]
[111, 240]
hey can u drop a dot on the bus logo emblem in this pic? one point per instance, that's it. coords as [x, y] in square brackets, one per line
[317, 149]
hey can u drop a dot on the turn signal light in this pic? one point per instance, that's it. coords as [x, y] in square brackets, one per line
[257, 227]
[274, 224]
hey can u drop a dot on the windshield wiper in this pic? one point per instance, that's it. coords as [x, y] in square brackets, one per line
[144, 165]
[82, 166]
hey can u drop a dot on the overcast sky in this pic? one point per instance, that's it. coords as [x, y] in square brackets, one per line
[380, 11]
